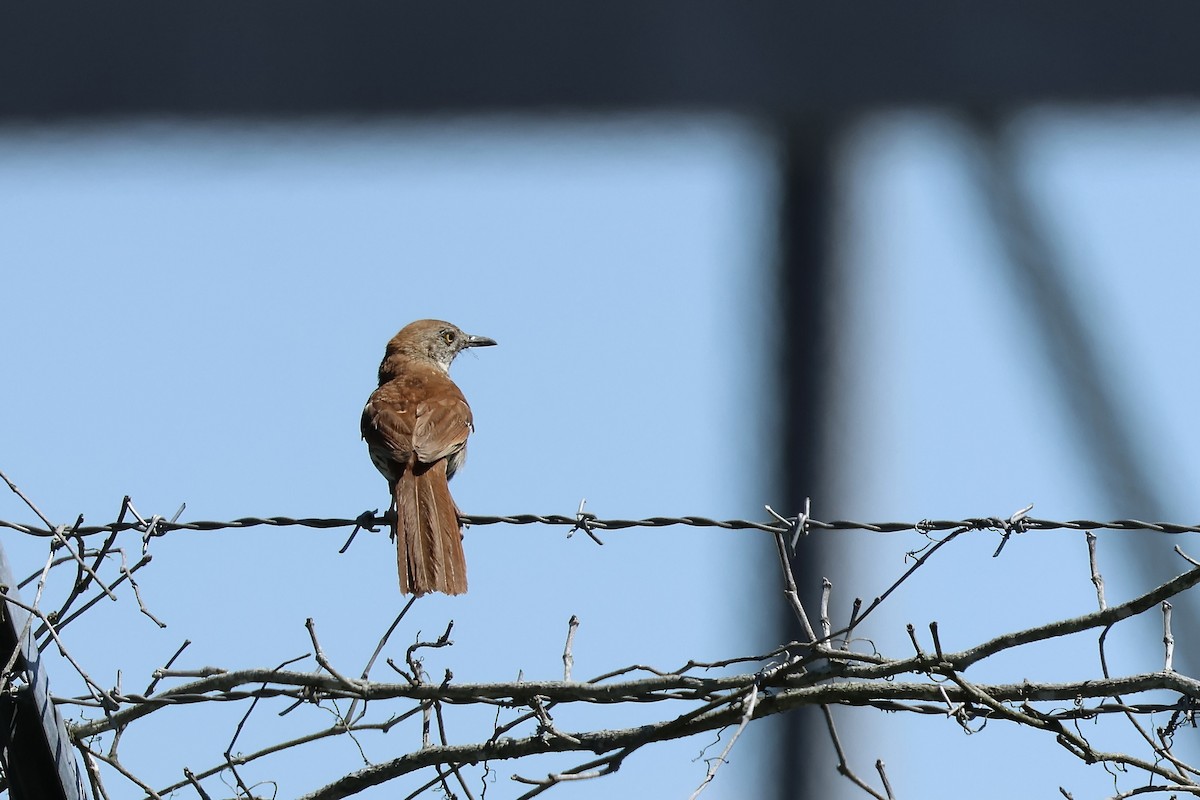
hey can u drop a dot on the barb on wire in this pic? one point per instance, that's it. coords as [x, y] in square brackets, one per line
[1015, 524]
[583, 522]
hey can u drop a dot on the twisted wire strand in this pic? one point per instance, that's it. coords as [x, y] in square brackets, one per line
[158, 526]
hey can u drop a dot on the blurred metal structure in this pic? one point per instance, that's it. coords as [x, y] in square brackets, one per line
[35, 754]
[803, 69]
[781, 61]
[1089, 395]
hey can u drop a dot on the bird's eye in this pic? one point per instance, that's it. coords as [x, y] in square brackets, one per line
[448, 337]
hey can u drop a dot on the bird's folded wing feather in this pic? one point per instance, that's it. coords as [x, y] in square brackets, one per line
[443, 424]
[433, 428]
[388, 422]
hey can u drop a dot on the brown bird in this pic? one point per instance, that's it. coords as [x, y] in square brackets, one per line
[416, 426]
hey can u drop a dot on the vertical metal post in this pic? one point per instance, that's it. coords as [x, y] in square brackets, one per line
[803, 278]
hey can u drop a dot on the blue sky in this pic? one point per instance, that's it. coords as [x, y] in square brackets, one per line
[195, 314]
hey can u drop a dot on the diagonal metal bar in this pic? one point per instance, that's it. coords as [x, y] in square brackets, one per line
[1035, 271]
[1086, 379]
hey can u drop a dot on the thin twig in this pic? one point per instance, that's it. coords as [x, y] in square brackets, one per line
[12, 486]
[137, 593]
[750, 702]
[826, 626]
[323, 661]
[349, 715]
[115, 764]
[159, 674]
[1168, 637]
[843, 765]
[605, 765]
[187, 773]
[237, 731]
[1094, 566]
[410, 655]
[567, 657]
[62, 623]
[789, 588]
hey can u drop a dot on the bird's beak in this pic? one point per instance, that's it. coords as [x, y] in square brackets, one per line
[479, 341]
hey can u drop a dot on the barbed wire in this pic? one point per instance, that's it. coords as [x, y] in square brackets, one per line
[1017, 523]
[832, 665]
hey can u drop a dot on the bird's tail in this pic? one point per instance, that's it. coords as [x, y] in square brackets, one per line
[429, 552]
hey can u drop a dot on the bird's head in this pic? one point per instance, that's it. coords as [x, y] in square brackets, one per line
[435, 340]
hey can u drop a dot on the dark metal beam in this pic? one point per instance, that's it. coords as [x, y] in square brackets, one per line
[803, 273]
[273, 57]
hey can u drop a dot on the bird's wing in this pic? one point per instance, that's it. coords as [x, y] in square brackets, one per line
[388, 420]
[443, 423]
[425, 416]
